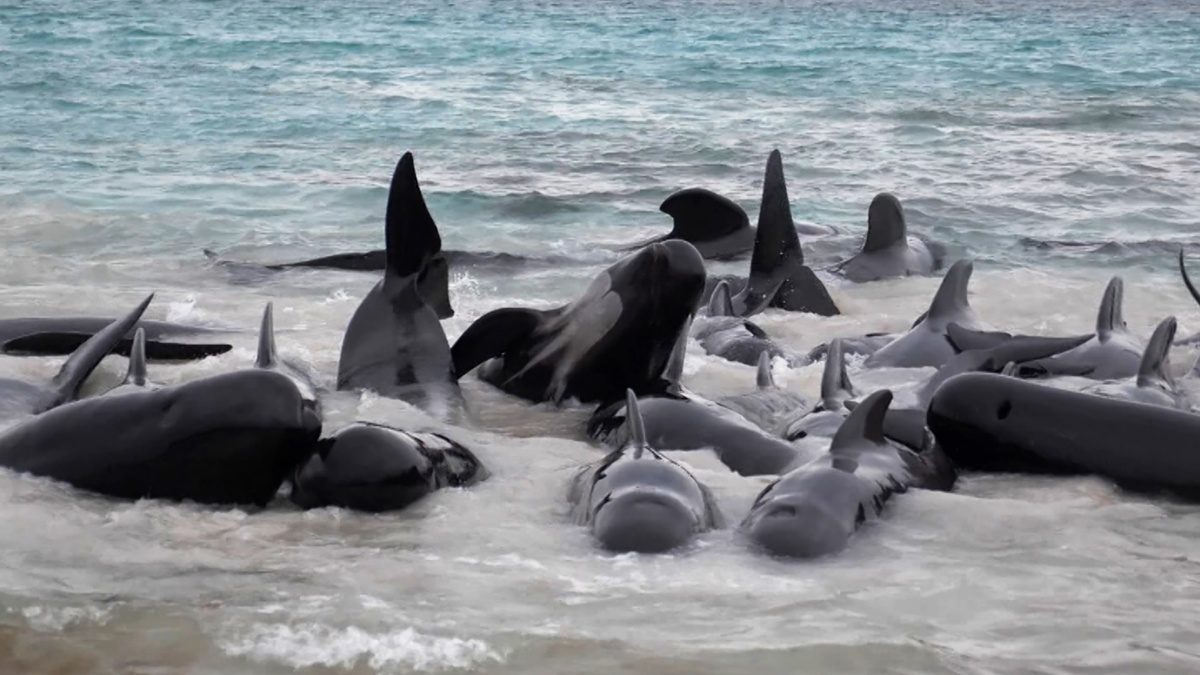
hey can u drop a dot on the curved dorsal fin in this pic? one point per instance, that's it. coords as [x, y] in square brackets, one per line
[267, 357]
[865, 423]
[885, 223]
[703, 215]
[412, 236]
[765, 379]
[951, 297]
[635, 424]
[775, 241]
[1110, 318]
[83, 361]
[1155, 367]
[835, 382]
[721, 301]
[136, 375]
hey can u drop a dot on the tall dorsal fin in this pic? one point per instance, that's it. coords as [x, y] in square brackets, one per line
[765, 379]
[412, 236]
[775, 241]
[1155, 367]
[864, 423]
[885, 223]
[83, 361]
[951, 297]
[136, 375]
[635, 424]
[1110, 318]
[267, 356]
[835, 382]
[703, 215]
[721, 301]
[673, 372]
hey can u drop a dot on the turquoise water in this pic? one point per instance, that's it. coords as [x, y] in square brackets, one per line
[1057, 142]
[270, 124]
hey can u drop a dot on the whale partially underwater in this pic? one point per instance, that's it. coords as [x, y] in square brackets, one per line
[888, 251]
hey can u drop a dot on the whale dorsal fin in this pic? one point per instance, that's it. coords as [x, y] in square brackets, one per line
[765, 379]
[703, 215]
[412, 236]
[1155, 368]
[1110, 318]
[267, 356]
[885, 224]
[83, 361]
[951, 297]
[635, 423]
[492, 335]
[136, 375]
[721, 301]
[835, 382]
[776, 241]
[865, 423]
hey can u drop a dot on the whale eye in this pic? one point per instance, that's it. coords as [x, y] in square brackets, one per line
[1003, 411]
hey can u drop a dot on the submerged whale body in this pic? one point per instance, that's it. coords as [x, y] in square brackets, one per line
[636, 499]
[227, 439]
[374, 468]
[997, 423]
[815, 508]
[887, 250]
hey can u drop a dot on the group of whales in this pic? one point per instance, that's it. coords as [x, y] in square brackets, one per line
[238, 437]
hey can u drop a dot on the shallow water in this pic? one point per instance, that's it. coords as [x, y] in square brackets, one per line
[1054, 142]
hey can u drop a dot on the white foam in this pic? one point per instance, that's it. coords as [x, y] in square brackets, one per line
[309, 645]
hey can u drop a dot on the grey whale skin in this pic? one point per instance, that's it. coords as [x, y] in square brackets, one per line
[59, 336]
[734, 338]
[1112, 352]
[374, 468]
[618, 335]
[635, 499]
[887, 251]
[813, 510]
[394, 344]
[996, 423]
[227, 439]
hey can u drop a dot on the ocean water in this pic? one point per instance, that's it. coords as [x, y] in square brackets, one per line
[1058, 143]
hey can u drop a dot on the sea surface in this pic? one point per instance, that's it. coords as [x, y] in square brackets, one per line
[1057, 143]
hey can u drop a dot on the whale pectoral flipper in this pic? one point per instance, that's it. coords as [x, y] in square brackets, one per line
[63, 343]
[83, 361]
[965, 339]
[492, 335]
